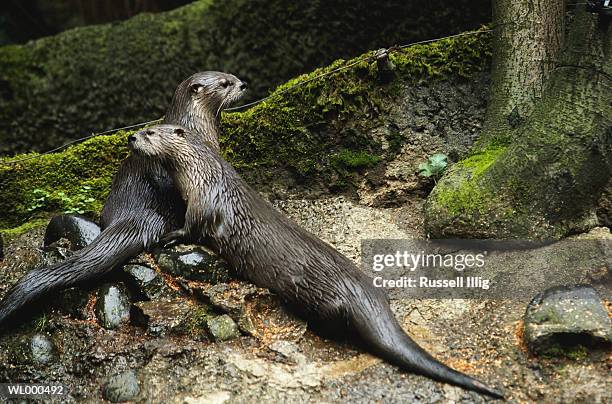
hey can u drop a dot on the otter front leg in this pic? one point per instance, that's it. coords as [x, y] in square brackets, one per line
[190, 231]
[174, 237]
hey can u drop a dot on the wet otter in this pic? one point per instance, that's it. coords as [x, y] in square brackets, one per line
[272, 251]
[143, 203]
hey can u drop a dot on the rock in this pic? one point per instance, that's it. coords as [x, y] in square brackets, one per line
[267, 319]
[222, 328]
[289, 351]
[194, 263]
[256, 312]
[229, 298]
[148, 282]
[112, 306]
[56, 252]
[79, 230]
[122, 387]
[162, 318]
[43, 349]
[218, 397]
[566, 316]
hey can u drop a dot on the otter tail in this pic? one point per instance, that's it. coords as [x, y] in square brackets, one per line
[116, 244]
[377, 325]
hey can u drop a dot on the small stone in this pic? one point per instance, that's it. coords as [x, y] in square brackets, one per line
[149, 282]
[256, 312]
[566, 316]
[56, 252]
[43, 349]
[122, 387]
[79, 230]
[163, 318]
[112, 306]
[268, 320]
[194, 263]
[222, 328]
[289, 350]
[229, 298]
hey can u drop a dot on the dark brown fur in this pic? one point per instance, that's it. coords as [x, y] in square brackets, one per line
[143, 203]
[272, 251]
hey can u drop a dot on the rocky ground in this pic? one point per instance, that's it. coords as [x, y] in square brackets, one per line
[176, 326]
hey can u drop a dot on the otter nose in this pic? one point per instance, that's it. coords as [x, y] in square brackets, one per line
[243, 85]
[131, 139]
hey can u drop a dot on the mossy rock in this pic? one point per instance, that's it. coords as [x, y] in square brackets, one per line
[311, 128]
[542, 179]
[106, 76]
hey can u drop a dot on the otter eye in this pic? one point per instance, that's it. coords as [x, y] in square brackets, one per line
[196, 88]
[180, 132]
[225, 83]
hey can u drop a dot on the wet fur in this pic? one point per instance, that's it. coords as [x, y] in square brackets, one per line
[272, 251]
[143, 203]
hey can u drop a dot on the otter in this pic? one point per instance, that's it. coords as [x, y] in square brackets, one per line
[272, 251]
[143, 203]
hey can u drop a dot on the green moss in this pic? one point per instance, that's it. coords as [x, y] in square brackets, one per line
[11, 233]
[41, 323]
[310, 131]
[445, 57]
[480, 161]
[196, 326]
[351, 159]
[106, 76]
[286, 130]
[61, 177]
[573, 352]
[469, 194]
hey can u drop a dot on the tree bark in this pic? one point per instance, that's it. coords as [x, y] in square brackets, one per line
[527, 43]
[539, 178]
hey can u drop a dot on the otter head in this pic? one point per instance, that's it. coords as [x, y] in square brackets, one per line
[198, 101]
[204, 93]
[161, 142]
[216, 88]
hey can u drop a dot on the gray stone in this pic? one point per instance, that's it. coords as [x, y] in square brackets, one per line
[566, 316]
[255, 310]
[222, 328]
[229, 298]
[194, 263]
[42, 348]
[122, 387]
[56, 252]
[113, 306]
[79, 230]
[149, 282]
[162, 318]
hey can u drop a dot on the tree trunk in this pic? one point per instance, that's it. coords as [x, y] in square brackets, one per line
[545, 152]
[527, 43]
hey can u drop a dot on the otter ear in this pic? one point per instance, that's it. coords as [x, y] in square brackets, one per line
[196, 88]
[180, 132]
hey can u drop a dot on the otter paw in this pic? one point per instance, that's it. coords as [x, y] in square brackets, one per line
[173, 238]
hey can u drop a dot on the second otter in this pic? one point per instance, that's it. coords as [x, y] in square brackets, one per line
[272, 251]
[143, 203]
